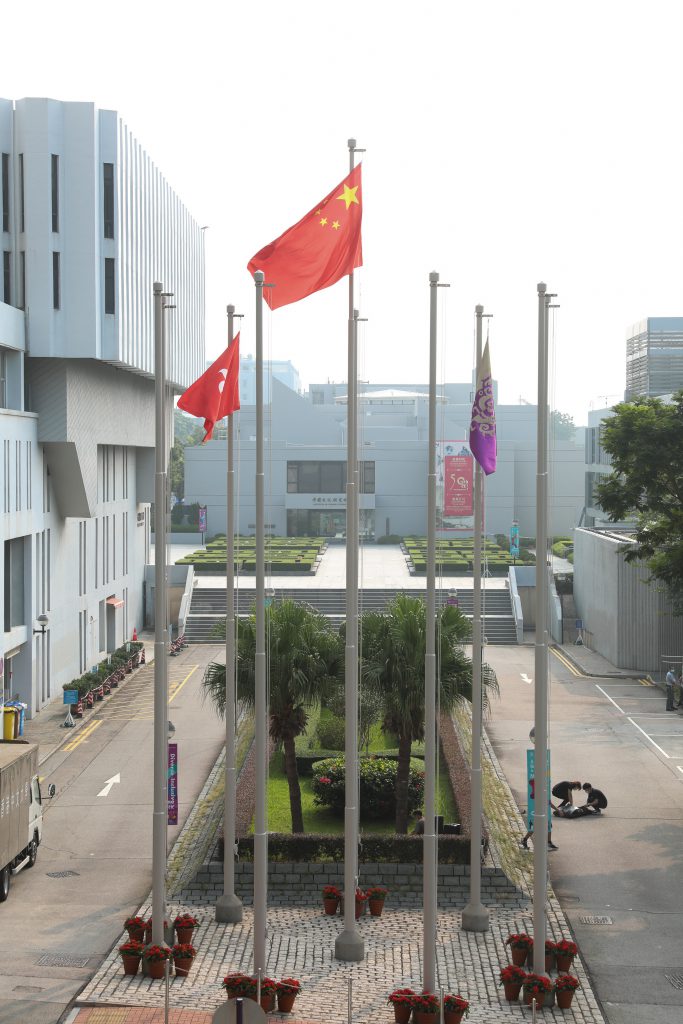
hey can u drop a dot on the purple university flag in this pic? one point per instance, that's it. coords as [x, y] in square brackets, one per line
[483, 425]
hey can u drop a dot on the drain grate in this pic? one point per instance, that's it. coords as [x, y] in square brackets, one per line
[62, 960]
[62, 874]
[675, 979]
[590, 919]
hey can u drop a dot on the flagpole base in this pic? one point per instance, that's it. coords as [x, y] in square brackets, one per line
[349, 946]
[228, 909]
[475, 918]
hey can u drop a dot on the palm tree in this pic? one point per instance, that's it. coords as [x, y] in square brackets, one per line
[304, 655]
[393, 664]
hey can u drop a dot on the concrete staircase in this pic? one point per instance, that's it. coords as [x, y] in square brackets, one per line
[208, 608]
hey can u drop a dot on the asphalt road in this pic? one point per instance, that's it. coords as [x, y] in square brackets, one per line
[94, 865]
[617, 876]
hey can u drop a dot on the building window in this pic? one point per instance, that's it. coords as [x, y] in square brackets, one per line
[3, 379]
[7, 277]
[326, 477]
[14, 583]
[21, 191]
[109, 292]
[367, 477]
[5, 193]
[22, 280]
[108, 199]
[56, 299]
[55, 192]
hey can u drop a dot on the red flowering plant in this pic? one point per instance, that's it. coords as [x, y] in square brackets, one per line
[550, 946]
[537, 984]
[324, 780]
[377, 892]
[361, 896]
[512, 975]
[427, 1002]
[519, 941]
[134, 922]
[132, 948]
[184, 951]
[565, 947]
[331, 892]
[566, 982]
[402, 997]
[239, 984]
[289, 987]
[268, 986]
[185, 921]
[455, 1004]
[156, 953]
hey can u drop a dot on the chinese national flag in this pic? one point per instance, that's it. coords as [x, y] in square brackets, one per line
[322, 248]
[217, 392]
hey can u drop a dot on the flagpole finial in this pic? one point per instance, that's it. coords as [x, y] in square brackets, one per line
[352, 144]
[230, 309]
[433, 277]
[478, 309]
[259, 277]
[541, 286]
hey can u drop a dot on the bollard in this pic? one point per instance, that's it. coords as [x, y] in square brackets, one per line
[90, 699]
[239, 1010]
[79, 708]
[258, 987]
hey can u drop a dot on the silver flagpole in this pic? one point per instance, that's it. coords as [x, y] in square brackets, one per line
[349, 944]
[541, 648]
[475, 916]
[160, 807]
[429, 839]
[260, 706]
[229, 905]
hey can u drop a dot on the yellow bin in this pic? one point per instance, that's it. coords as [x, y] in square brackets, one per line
[9, 724]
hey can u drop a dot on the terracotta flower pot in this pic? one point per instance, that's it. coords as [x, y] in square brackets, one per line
[402, 1012]
[519, 955]
[549, 962]
[285, 1001]
[425, 1018]
[564, 962]
[542, 999]
[184, 934]
[136, 934]
[330, 904]
[183, 965]
[512, 990]
[360, 908]
[156, 968]
[376, 907]
[268, 1002]
[564, 998]
[130, 964]
[452, 1016]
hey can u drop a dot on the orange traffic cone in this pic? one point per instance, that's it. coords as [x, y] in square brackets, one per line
[135, 633]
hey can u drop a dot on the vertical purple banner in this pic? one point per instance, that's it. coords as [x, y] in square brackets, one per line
[202, 518]
[173, 784]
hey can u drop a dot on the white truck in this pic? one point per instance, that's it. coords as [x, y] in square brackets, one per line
[21, 810]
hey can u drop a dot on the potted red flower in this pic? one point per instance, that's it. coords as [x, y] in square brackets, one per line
[183, 955]
[131, 953]
[425, 1008]
[361, 900]
[565, 951]
[520, 944]
[376, 896]
[168, 932]
[565, 987]
[287, 991]
[402, 1001]
[239, 984]
[538, 987]
[549, 954]
[135, 926]
[268, 992]
[455, 1008]
[184, 925]
[331, 898]
[511, 978]
[155, 958]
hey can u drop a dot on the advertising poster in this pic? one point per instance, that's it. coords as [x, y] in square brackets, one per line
[454, 486]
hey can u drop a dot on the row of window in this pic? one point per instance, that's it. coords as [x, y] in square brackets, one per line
[309, 477]
[109, 281]
[20, 496]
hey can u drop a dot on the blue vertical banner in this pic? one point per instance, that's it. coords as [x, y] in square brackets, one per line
[173, 784]
[531, 788]
[514, 540]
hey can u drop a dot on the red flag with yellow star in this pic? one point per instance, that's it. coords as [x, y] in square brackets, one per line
[322, 248]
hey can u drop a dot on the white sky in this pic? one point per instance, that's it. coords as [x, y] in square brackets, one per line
[507, 143]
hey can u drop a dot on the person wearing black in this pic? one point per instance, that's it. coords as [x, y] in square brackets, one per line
[596, 801]
[563, 792]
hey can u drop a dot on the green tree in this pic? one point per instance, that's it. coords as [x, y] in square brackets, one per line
[562, 426]
[393, 666]
[305, 654]
[645, 441]
[187, 432]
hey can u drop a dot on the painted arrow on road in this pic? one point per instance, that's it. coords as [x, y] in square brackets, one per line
[525, 677]
[113, 781]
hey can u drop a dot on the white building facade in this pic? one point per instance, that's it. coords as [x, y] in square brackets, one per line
[88, 225]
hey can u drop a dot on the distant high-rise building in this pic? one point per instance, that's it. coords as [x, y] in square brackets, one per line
[654, 357]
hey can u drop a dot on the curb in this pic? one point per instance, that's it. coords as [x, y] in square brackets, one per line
[598, 675]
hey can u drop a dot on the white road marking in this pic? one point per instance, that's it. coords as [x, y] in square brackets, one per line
[525, 677]
[108, 784]
[680, 767]
[610, 699]
[662, 752]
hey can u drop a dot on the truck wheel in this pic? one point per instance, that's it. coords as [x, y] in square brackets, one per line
[5, 875]
[32, 852]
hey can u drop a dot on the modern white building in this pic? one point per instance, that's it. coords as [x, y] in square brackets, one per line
[88, 224]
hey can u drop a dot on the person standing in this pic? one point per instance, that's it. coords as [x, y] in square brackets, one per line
[670, 683]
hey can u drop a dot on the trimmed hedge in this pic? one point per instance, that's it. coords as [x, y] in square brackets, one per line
[373, 849]
[119, 657]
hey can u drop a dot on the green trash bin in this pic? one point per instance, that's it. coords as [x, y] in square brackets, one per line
[10, 720]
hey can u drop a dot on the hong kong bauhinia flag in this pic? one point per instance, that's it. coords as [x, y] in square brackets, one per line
[217, 392]
[483, 425]
[323, 247]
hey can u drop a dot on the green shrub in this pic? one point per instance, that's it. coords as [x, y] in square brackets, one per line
[389, 538]
[377, 776]
[331, 732]
[374, 849]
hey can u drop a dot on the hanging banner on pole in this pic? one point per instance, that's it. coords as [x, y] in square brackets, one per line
[455, 486]
[514, 540]
[531, 788]
[173, 784]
